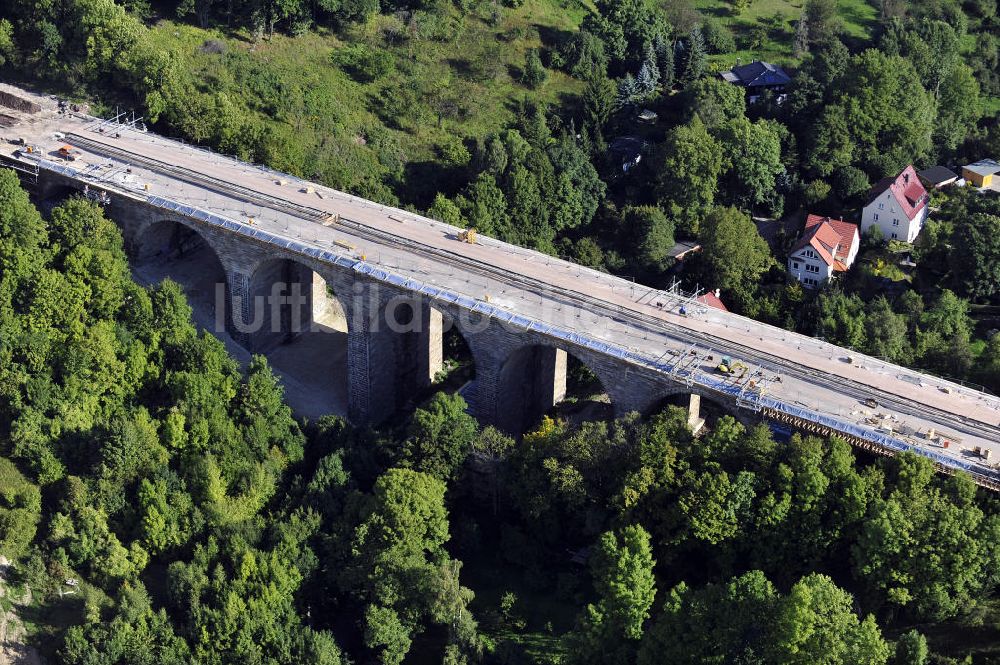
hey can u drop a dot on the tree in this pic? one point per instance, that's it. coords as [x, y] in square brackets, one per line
[623, 578]
[649, 72]
[801, 44]
[444, 210]
[880, 118]
[850, 182]
[958, 107]
[911, 649]
[694, 63]
[689, 164]
[649, 236]
[714, 101]
[534, 73]
[975, 257]
[753, 159]
[747, 621]
[885, 332]
[599, 100]
[440, 436]
[665, 60]
[628, 92]
[821, 17]
[816, 623]
[134, 635]
[734, 253]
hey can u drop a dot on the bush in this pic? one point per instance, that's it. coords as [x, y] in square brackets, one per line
[20, 509]
[718, 38]
[850, 181]
[816, 192]
[534, 73]
[363, 63]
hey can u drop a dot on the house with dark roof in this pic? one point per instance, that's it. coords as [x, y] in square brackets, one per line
[827, 247]
[898, 206]
[757, 78]
[627, 150]
[937, 177]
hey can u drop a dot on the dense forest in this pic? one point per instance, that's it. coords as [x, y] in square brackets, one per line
[161, 504]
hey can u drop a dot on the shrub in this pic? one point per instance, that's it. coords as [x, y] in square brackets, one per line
[534, 73]
[718, 38]
[363, 63]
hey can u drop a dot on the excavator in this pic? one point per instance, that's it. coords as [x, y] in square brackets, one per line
[728, 366]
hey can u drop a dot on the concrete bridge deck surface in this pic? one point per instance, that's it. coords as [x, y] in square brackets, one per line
[812, 373]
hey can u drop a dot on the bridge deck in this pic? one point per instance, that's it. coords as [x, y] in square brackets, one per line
[817, 376]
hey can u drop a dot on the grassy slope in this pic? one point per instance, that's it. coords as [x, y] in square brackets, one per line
[477, 69]
[857, 16]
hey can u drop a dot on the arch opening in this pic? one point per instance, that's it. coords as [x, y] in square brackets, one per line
[169, 249]
[703, 412]
[540, 379]
[430, 352]
[299, 323]
[54, 195]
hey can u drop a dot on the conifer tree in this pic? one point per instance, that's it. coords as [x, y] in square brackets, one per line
[665, 59]
[694, 66]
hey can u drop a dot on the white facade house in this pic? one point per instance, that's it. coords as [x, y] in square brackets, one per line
[827, 247]
[898, 206]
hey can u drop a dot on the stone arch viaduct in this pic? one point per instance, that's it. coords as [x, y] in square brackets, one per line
[289, 250]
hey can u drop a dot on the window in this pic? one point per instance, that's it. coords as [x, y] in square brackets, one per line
[795, 265]
[810, 281]
[895, 221]
[893, 236]
[876, 217]
[881, 206]
[810, 254]
[812, 268]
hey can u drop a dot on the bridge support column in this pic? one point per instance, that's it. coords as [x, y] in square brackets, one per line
[238, 307]
[393, 352]
[695, 421]
[515, 394]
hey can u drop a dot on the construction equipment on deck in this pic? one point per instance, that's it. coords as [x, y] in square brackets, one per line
[728, 366]
[68, 153]
[467, 235]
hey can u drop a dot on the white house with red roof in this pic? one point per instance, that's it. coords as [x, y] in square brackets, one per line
[826, 248]
[898, 206]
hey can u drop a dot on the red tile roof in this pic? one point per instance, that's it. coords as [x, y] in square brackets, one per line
[712, 300]
[833, 240]
[907, 190]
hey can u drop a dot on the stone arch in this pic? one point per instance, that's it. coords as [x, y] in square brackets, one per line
[178, 250]
[286, 298]
[419, 345]
[533, 378]
[53, 193]
[296, 313]
[704, 407]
